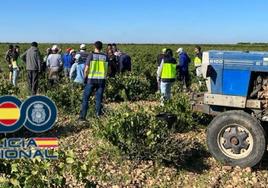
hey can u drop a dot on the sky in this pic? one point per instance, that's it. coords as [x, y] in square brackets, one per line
[134, 21]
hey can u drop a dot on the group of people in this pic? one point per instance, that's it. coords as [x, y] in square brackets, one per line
[72, 63]
[168, 69]
[91, 69]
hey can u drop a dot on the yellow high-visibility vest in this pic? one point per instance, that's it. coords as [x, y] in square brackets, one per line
[197, 61]
[168, 71]
[98, 69]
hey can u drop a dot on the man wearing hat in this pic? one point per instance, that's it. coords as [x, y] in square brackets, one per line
[54, 63]
[184, 61]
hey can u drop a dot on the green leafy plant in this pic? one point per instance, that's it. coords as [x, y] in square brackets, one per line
[180, 106]
[6, 88]
[136, 133]
[67, 97]
[128, 87]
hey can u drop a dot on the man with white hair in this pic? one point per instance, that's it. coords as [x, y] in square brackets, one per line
[54, 63]
[84, 54]
[183, 65]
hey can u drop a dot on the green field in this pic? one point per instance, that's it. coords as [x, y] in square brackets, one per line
[128, 147]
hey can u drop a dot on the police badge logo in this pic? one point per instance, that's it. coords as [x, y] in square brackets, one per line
[41, 113]
[38, 113]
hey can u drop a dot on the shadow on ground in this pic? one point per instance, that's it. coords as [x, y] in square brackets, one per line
[187, 156]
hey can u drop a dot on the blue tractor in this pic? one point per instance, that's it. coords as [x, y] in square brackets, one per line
[237, 95]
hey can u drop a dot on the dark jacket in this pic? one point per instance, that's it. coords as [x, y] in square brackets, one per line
[84, 55]
[124, 63]
[184, 61]
[113, 64]
[32, 59]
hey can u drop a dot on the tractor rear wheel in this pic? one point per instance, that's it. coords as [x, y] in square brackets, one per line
[236, 138]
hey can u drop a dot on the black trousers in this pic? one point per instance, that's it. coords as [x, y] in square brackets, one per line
[32, 81]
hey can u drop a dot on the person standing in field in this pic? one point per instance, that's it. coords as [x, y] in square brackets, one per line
[15, 65]
[95, 73]
[67, 62]
[8, 58]
[33, 66]
[183, 65]
[54, 64]
[167, 74]
[113, 63]
[77, 70]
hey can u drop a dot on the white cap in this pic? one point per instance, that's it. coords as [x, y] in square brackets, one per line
[54, 47]
[72, 50]
[180, 50]
[82, 47]
[77, 56]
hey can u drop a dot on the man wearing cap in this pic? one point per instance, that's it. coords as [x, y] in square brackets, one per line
[84, 54]
[96, 70]
[33, 66]
[183, 65]
[67, 59]
[54, 63]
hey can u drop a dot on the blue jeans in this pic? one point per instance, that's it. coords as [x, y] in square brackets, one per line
[89, 88]
[15, 76]
[165, 88]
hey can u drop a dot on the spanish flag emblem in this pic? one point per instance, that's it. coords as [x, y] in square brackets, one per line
[46, 142]
[9, 113]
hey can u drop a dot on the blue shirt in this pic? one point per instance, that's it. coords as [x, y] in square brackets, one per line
[184, 61]
[77, 72]
[67, 60]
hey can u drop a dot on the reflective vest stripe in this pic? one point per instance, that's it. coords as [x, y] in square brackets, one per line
[197, 62]
[168, 71]
[98, 69]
